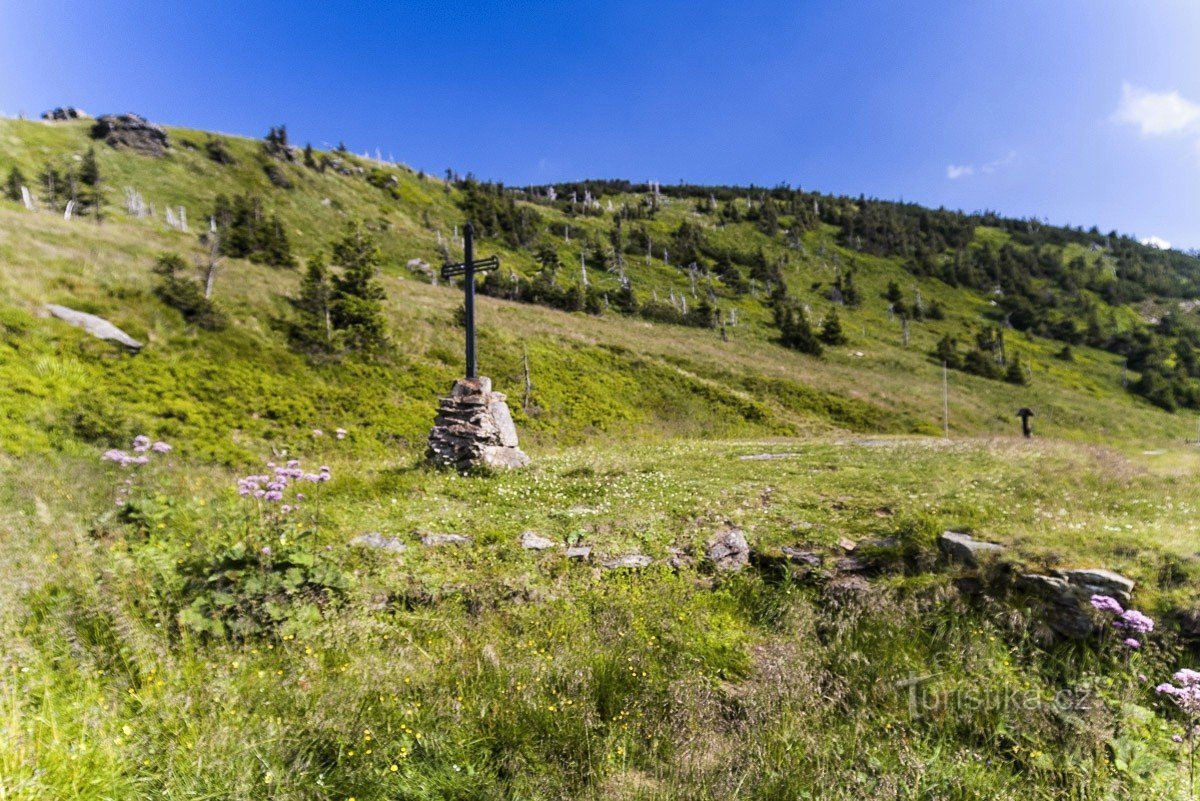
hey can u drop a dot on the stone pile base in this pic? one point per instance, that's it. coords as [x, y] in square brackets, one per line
[474, 428]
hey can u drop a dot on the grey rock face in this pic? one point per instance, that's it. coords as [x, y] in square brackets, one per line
[66, 113]
[133, 132]
[376, 540]
[531, 541]
[1098, 581]
[475, 428]
[966, 549]
[1065, 597]
[96, 326]
[728, 550]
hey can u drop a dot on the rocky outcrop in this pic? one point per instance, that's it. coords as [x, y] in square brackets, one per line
[65, 114]
[133, 132]
[1063, 599]
[96, 326]
[474, 428]
[728, 550]
[966, 549]
[1098, 581]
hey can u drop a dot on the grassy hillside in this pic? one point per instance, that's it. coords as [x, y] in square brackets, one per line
[168, 638]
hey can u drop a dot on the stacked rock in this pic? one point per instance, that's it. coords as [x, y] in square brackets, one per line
[474, 428]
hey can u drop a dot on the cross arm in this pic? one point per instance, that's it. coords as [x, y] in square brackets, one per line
[479, 266]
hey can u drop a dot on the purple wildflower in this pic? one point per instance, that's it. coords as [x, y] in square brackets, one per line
[316, 432]
[340, 433]
[114, 455]
[1135, 621]
[160, 447]
[1130, 642]
[1188, 677]
[1106, 603]
[266, 550]
[141, 443]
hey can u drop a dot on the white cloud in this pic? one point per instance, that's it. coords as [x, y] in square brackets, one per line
[1156, 113]
[956, 171]
[1009, 160]
[1156, 242]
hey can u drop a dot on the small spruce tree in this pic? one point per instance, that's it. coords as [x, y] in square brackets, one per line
[91, 196]
[12, 187]
[356, 301]
[831, 329]
[312, 330]
[1015, 374]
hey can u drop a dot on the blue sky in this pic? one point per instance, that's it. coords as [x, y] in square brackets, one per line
[1078, 111]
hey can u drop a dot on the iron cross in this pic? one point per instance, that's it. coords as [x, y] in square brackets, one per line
[468, 267]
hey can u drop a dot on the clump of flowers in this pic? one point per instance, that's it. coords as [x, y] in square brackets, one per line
[281, 484]
[139, 454]
[1185, 693]
[1128, 621]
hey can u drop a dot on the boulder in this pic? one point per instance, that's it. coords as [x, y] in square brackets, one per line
[966, 549]
[96, 326]
[474, 428]
[532, 541]
[421, 268]
[728, 550]
[581, 552]
[379, 542]
[133, 132]
[65, 114]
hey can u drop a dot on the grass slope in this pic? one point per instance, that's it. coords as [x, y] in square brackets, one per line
[186, 643]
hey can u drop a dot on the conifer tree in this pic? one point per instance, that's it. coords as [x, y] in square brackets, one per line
[313, 328]
[795, 332]
[1015, 374]
[12, 187]
[310, 160]
[356, 301]
[831, 329]
[92, 197]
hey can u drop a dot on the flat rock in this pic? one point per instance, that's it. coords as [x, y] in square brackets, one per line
[579, 552]
[631, 561]
[433, 540]
[966, 549]
[531, 541]
[799, 557]
[768, 457]
[1098, 581]
[847, 544]
[728, 550]
[96, 326]
[376, 540]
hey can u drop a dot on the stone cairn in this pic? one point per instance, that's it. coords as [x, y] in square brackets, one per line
[474, 428]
